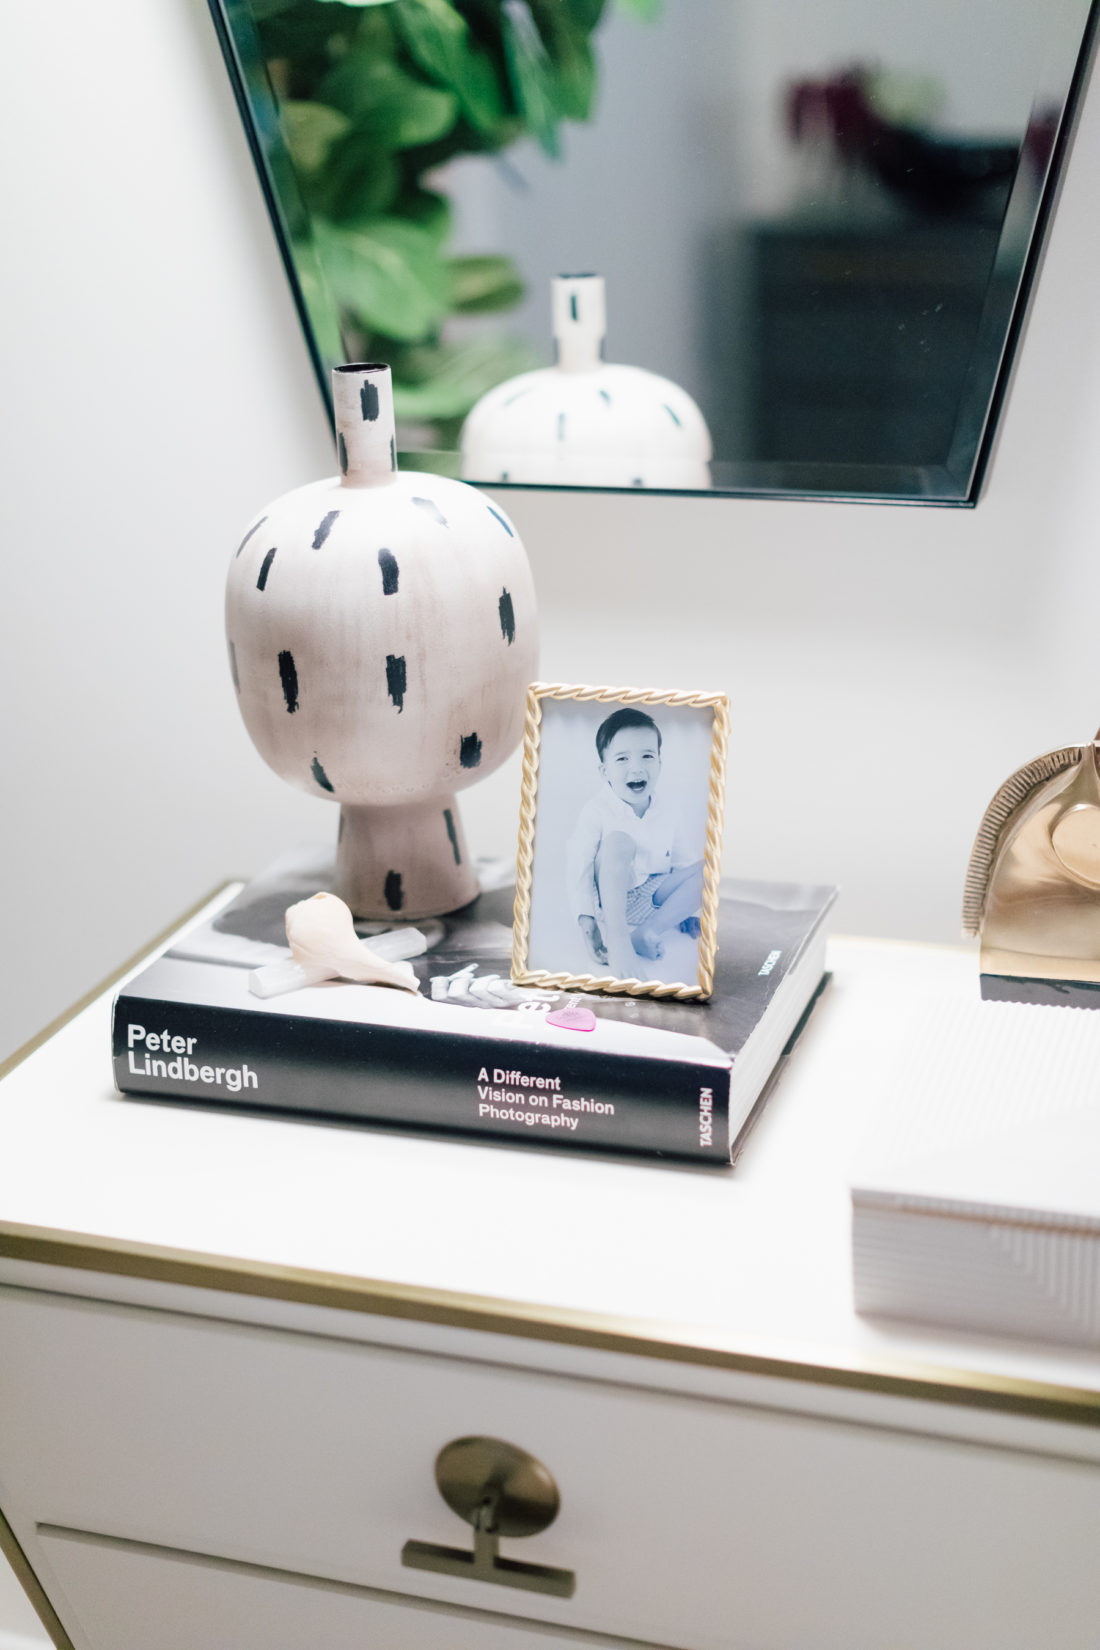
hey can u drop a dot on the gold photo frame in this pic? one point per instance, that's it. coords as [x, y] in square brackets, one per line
[604, 903]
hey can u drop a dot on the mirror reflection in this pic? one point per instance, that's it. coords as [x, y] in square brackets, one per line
[809, 228]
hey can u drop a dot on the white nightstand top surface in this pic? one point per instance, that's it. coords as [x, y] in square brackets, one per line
[756, 1259]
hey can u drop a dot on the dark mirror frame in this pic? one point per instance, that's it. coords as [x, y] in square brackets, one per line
[957, 483]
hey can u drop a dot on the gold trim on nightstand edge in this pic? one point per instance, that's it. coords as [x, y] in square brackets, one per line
[675, 1343]
[9, 1546]
[31, 1585]
[637, 1337]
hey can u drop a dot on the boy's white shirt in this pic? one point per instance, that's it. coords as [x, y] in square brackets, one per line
[658, 838]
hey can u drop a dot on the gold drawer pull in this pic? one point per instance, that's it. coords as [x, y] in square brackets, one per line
[500, 1490]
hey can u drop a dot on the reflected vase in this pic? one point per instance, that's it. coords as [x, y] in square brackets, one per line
[585, 422]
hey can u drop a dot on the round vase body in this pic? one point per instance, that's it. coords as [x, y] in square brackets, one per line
[585, 422]
[382, 633]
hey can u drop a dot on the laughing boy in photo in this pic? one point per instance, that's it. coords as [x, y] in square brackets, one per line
[633, 877]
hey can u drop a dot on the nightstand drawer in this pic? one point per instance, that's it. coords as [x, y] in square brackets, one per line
[123, 1597]
[690, 1522]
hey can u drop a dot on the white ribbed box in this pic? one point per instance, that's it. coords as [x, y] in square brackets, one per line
[976, 1197]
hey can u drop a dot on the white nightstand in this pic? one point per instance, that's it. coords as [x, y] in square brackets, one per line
[233, 1347]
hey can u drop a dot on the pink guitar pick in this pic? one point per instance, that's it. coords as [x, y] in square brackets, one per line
[572, 1018]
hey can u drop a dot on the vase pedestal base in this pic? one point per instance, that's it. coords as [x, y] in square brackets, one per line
[404, 862]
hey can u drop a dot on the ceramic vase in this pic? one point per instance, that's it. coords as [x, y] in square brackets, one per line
[584, 422]
[382, 633]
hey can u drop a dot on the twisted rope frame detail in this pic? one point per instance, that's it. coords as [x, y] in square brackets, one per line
[718, 703]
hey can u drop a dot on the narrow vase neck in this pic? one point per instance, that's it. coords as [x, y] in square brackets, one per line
[580, 320]
[366, 444]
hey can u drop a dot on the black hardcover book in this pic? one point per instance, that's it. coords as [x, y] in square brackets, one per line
[474, 1053]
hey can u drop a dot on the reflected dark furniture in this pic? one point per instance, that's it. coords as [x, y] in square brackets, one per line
[861, 336]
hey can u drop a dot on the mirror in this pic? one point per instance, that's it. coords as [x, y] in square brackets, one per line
[818, 223]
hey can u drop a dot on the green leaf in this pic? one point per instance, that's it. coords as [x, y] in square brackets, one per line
[570, 67]
[430, 211]
[575, 81]
[388, 104]
[389, 274]
[311, 129]
[584, 14]
[437, 38]
[361, 180]
[357, 2]
[318, 300]
[529, 74]
[482, 285]
[372, 32]
[300, 40]
[647, 11]
[262, 10]
[444, 382]
[423, 114]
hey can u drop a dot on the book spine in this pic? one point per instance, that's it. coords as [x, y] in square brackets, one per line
[475, 1085]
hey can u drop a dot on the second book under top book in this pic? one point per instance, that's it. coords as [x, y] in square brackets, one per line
[475, 1054]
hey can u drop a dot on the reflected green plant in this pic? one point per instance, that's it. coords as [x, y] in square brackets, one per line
[374, 96]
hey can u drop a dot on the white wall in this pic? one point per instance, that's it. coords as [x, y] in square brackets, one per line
[155, 392]
[888, 666]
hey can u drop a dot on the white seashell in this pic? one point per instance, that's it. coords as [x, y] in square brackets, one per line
[321, 933]
[324, 946]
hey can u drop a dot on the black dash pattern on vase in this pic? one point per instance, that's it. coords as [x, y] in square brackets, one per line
[574, 307]
[393, 891]
[233, 667]
[288, 675]
[320, 775]
[605, 396]
[395, 678]
[507, 617]
[325, 529]
[449, 821]
[387, 561]
[265, 569]
[368, 400]
[672, 415]
[249, 534]
[469, 751]
[342, 449]
[432, 509]
[393, 452]
[498, 515]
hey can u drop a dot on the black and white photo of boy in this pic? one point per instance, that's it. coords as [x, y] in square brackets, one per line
[617, 877]
[634, 876]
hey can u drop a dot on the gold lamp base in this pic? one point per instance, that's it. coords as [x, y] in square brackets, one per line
[1033, 883]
